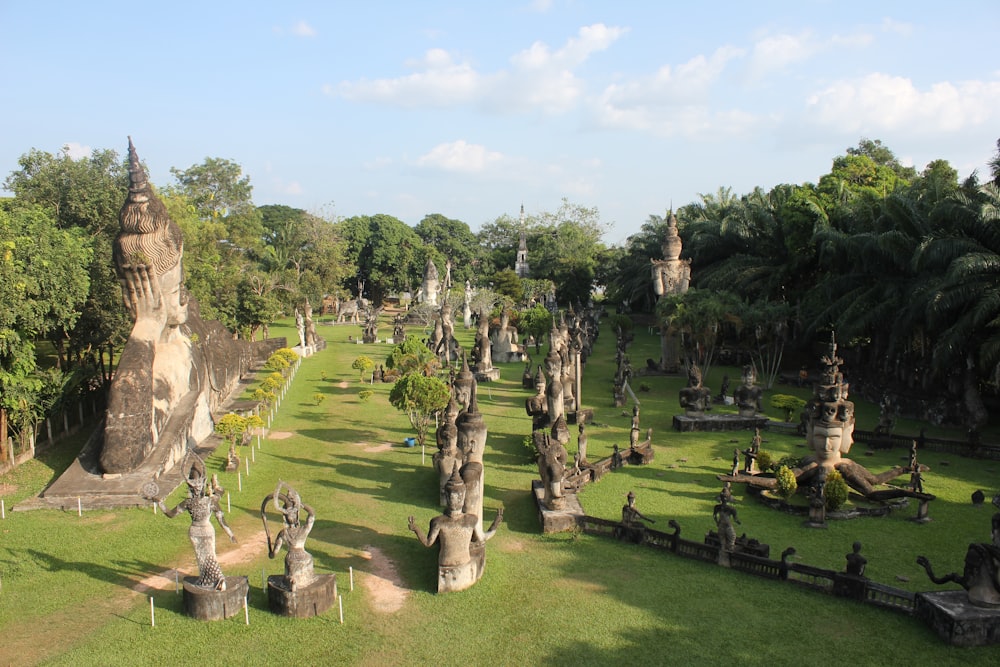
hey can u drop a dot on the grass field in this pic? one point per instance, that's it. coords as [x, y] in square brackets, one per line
[68, 584]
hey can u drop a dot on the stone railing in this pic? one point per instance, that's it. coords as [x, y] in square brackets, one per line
[818, 579]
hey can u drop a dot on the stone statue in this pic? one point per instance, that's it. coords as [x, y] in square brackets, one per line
[981, 576]
[724, 515]
[581, 444]
[631, 516]
[202, 503]
[830, 434]
[750, 454]
[457, 531]
[298, 563]
[448, 454]
[431, 285]
[856, 562]
[538, 405]
[504, 344]
[300, 327]
[633, 437]
[747, 395]
[554, 388]
[695, 398]
[166, 385]
[552, 457]
[310, 326]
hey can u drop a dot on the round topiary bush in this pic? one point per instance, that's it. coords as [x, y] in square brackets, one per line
[835, 491]
[786, 482]
[764, 461]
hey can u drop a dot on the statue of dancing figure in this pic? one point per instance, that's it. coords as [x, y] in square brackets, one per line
[293, 534]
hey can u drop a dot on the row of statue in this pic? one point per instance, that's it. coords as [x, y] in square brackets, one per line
[299, 591]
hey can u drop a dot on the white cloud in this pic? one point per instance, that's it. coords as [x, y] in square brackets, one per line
[76, 150]
[539, 78]
[300, 29]
[303, 29]
[675, 101]
[459, 156]
[897, 27]
[775, 53]
[440, 81]
[883, 102]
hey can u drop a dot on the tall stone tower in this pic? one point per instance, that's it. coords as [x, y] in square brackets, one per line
[521, 263]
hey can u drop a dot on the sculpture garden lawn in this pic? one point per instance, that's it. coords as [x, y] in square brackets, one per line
[70, 586]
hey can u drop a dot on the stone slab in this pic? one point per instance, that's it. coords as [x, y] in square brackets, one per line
[727, 422]
[956, 620]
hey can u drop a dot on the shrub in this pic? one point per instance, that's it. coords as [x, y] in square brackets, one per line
[788, 404]
[288, 354]
[789, 460]
[835, 490]
[363, 365]
[365, 394]
[276, 362]
[764, 461]
[644, 387]
[319, 398]
[786, 482]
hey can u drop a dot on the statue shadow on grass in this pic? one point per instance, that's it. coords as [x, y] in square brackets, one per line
[120, 572]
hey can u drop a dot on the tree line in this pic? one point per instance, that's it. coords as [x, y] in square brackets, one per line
[903, 265]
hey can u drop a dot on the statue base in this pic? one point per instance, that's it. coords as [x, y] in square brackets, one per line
[304, 601]
[490, 375]
[459, 577]
[208, 604]
[730, 422]
[560, 520]
[956, 620]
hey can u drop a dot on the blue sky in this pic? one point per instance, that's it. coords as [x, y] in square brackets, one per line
[470, 109]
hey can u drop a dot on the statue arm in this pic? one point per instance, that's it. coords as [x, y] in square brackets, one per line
[429, 539]
[493, 526]
[171, 513]
[221, 518]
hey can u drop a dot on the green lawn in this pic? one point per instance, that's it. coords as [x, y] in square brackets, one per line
[66, 582]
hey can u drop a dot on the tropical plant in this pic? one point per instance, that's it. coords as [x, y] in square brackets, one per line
[786, 483]
[420, 397]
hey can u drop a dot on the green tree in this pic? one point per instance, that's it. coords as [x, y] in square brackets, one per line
[454, 241]
[507, 283]
[420, 397]
[84, 194]
[537, 323]
[363, 365]
[43, 283]
[384, 250]
[412, 356]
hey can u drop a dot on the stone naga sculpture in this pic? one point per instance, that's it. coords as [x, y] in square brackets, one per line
[981, 576]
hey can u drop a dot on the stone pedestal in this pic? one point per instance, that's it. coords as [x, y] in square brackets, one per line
[303, 602]
[956, 620]
[556, 520]
[728, 422]
[208, 604]
[923, 510]
[490, 375]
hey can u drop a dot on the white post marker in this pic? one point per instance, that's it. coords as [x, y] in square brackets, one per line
[340, 603]
[247, 461]
[246, 610]
[253, 456]
[154, 508]
[152, 613]
[177, 582]
[229, 504]
[239, 481]
[3, 510]
[79, 507]
[350, 570]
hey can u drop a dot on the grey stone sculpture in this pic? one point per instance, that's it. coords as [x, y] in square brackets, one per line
[461, 557]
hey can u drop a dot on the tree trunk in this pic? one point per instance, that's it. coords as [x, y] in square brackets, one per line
[978, 416]
[4, 454]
